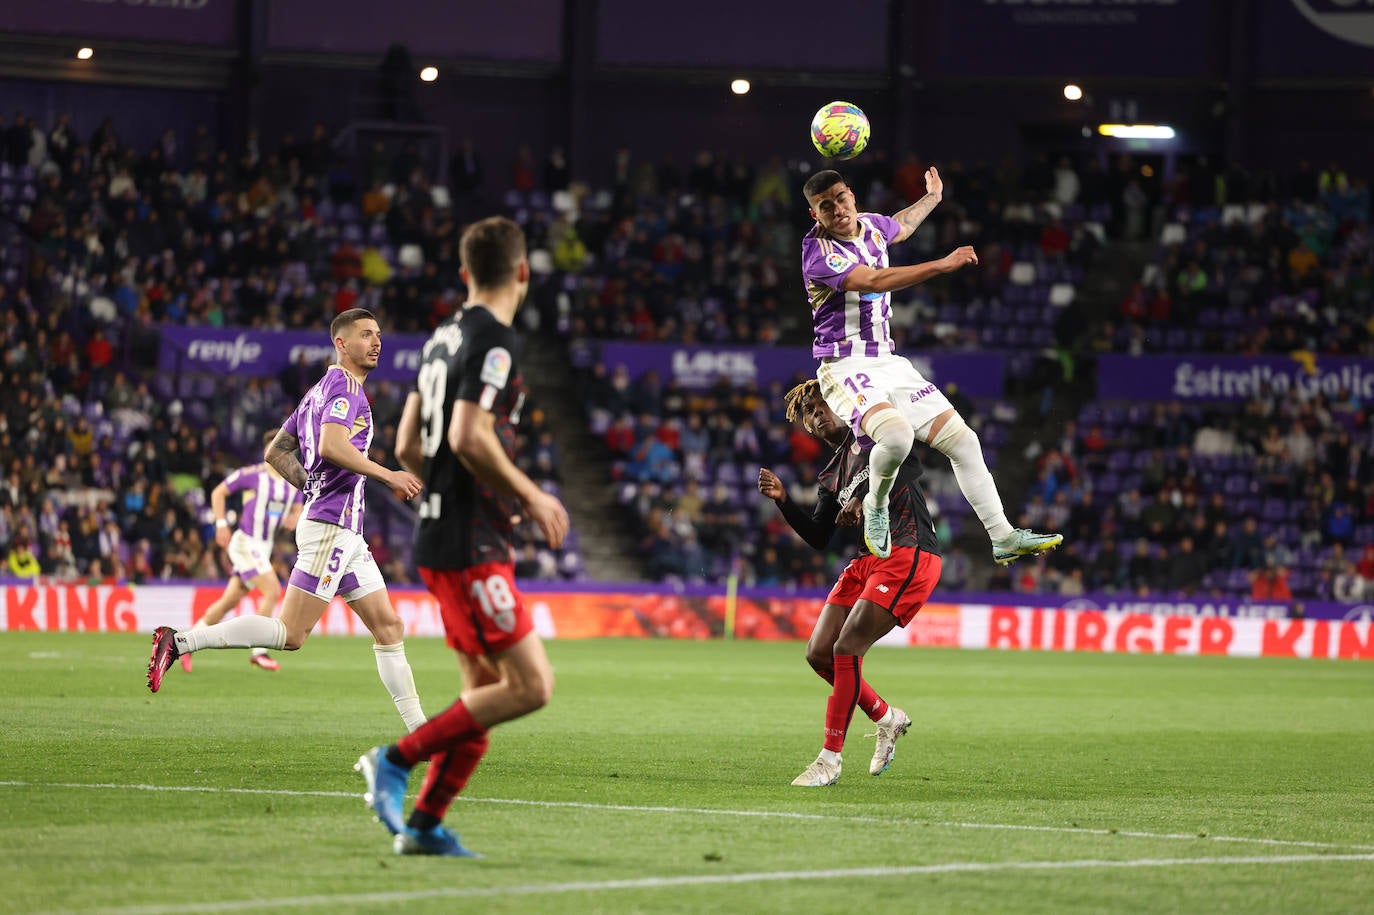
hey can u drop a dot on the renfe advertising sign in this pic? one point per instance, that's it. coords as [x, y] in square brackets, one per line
[645, 614]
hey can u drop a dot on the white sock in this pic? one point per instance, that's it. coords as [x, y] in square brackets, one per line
[239, 632]
[394, 670]
[892, 440]
[259, 652]
[887, 718]
[965, 452]
[831, 757]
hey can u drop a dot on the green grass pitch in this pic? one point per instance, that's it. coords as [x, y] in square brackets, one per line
[658, 781]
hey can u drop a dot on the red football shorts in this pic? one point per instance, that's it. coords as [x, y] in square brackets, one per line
[900, 584]
[483, 611]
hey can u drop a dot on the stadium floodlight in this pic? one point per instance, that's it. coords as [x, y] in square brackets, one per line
[1073, 93]
[85, 54]
[429, 74]
[740, 86]
[1137, 131]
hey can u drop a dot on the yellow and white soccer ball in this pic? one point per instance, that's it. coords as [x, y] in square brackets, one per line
[840, 130]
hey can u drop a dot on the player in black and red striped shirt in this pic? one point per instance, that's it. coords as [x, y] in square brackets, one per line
[872, 595]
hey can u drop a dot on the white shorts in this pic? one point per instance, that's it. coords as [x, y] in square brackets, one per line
[250, 557]
[853, 385]
[334, 560]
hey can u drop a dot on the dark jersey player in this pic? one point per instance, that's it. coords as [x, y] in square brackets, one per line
[872, 595]
[457, 432]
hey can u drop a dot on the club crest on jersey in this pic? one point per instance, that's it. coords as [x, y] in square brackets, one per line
[496, 367]
[836, 261]
[339, 408]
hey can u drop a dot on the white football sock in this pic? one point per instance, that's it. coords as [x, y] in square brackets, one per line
[892, 440]
[887, 718]
[239, 632]
[259, 652]
[960, 444]
[831, 757]
[394, 670]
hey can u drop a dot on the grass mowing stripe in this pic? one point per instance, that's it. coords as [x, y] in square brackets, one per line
[534, 889]
[715, 811]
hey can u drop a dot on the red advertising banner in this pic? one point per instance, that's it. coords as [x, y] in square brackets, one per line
[579, 615]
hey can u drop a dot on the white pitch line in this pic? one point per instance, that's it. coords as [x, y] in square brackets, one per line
[653, 883]
[716, 811]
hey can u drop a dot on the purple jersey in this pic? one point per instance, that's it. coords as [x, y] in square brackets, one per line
[332, 495]
[848, 323]
[266, 500]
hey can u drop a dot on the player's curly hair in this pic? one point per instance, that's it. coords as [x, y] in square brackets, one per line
[796, 398]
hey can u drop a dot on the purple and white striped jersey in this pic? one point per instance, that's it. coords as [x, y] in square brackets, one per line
[848, 323]
[267, 499]
[332, 494]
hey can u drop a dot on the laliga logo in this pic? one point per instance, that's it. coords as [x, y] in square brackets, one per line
[1361, 613]
[1348, 20]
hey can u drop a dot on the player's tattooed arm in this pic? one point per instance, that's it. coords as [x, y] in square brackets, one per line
[912, 217]
[282, 456]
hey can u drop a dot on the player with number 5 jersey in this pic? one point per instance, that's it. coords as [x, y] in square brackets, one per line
[321, 450]
[457, 433]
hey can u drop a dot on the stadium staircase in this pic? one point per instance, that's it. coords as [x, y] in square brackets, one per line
[607, 539]
[1055, 393]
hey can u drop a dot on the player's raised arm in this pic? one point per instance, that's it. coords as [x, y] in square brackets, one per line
[912, 217]
[887, 279]
[816, 528]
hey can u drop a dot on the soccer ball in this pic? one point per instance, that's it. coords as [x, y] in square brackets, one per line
[840, 130]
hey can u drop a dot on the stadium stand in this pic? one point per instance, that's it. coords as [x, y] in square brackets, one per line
[111, 473]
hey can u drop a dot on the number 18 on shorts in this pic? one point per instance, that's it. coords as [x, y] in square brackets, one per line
[482, 609]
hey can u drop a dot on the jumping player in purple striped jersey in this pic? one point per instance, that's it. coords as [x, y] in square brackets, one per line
[332, 431]
[269, 502]
[878, 393]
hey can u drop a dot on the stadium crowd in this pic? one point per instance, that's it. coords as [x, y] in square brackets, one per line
[108, 461]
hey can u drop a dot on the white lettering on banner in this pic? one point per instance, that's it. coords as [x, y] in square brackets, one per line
[1213, 381]
[239, 351]
[312, 352]
[190, 6]
[1362, 613]
[1036, 629]
[406, 360]
[1183, 608]
[702, 367]
[116, 608]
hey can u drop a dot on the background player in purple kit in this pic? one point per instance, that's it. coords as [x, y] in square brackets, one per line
[269, 502]
[878, 393]
[331, 430]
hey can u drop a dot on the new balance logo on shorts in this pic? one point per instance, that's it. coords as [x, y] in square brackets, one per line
[884, 588]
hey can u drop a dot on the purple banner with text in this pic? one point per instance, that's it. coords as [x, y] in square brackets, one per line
[983, 38]
[262, 353]
[977, 374]
[1314, 38]
[198, 22]
[1192, 378]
